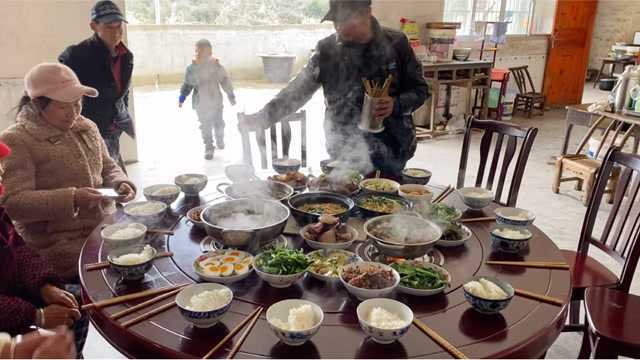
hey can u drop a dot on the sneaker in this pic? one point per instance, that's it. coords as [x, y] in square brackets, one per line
[208, 153]
[220, 144]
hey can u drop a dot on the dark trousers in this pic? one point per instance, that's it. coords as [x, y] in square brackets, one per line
[80, 328]
[113, 146]
[211, 122]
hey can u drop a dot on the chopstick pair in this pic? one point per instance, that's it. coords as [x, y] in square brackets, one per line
[557, 265]
[480, 219]
[105, 264]
[129, 297]
[539, 297]
[444, 194]
[251, 319]
[439, 340]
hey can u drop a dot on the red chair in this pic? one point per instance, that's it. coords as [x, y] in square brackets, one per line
[500, 76]
[618, 240]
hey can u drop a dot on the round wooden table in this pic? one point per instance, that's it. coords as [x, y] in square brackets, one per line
[525, 329]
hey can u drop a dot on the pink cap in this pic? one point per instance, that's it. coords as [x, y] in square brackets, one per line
[57, 82]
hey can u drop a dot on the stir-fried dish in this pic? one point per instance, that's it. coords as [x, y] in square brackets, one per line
[372, 278]
[453, 232]
[329, 263]
[444, 213]
[381, 204]
[380, 185]
[416, 173]
[341, 184]
[294, 179]
[417, 276]
[399, 232]
[323, 208]
[328, 230]
[282, 261]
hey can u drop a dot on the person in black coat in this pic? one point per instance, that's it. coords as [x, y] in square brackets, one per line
[104, 63]
[360, 49]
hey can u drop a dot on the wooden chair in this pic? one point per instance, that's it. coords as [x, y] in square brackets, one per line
[512, 135]
[500, 76]
[584, 169]
[527, 98]
[285, 136]
[619, 241]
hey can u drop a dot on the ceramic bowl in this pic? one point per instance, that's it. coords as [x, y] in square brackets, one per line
[364, 294]
[454, 243]
[391, 187]
[406, 191]
[316, 245]
[416, 176]
[508, 243]
[514, 216]
[280, 311]
[475, 197]
[148, 218]
[380, 335]
[196, 220]
[130, 272]
[296, 202]
[150, 193]
[201, 319]
[368, 213]
[283, 166]
[426, 292]
[204, 275]
[490, 306]
[191, 184]
[116, 243]
[277, 281]
[351, 258]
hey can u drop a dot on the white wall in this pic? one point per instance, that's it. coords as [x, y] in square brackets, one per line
[616, 21]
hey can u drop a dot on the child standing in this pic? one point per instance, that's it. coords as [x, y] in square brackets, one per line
[205, 76]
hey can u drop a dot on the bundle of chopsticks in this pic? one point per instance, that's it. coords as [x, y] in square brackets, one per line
[373, 88]
[444, 194]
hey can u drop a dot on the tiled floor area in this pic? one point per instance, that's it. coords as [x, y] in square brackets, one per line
[169, 144]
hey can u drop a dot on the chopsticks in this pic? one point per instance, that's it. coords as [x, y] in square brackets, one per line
[443, 195]
[439, 340]
[149, 314]
[480, 219]
[129, 297]
[253, 316]
[557, 265]
[244, 335]
[105, 264]
[373, 89]
[542, 298]
[133, 309]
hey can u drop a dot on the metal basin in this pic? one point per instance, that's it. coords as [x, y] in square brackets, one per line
[260, 190]
[430, 234]
[251, 236]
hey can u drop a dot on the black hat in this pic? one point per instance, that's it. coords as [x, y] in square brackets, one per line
[341, 9]
[105, 11]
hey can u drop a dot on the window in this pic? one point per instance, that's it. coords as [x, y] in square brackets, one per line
[525, 16]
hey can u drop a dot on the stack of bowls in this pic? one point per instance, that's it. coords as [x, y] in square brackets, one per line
[511, 234]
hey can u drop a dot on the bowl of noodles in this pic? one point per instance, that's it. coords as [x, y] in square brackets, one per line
[307, 208]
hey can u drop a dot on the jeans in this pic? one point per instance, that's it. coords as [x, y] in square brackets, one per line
[80, 328]
[210, 122]
[113, 146]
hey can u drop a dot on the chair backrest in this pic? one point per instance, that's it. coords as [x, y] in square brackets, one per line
[523, 79]
[610, 136]
[621, 234]
[513, 136]
[277, 150]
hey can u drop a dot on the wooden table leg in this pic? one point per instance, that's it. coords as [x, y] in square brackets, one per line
[599, 74]
[567, 136]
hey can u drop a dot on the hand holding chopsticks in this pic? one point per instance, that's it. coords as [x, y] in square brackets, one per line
[375, 90]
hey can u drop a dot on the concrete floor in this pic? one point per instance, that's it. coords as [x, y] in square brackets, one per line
[169, 144]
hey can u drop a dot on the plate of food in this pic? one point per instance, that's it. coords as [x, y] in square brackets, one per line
[345, 183]
[371, 205]
[195, 216]
[327, 264]
[307, 207]
[297, 180]
[329, 233]
[281, 267]
[439, 213]
[224, 266]
[421, 278]
[367, 280]
[453, 235]
[380, 186]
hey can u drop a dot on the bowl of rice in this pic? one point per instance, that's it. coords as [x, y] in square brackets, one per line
[514, 216]
[191, 184]
[385, 320]
[203, 305]
[295, 321]
[488, 295]
[132, 262]
[475, 197]
[146, 212]
[164, 193]
[510, 239]
[123, 235]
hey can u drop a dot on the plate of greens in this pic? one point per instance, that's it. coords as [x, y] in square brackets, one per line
[421, 278]
[281, 267]
[440, 213]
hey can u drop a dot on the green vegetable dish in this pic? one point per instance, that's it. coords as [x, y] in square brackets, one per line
[444, 213]
[329, 264]
[282, 261]
[417, 276]
[381, 204]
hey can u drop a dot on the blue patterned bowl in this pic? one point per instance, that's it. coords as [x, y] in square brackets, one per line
[490, 306]
[507, 243]
[173, 192]
[379, 335]
[514, 216]
[201, 319]
[191, 184]
[280, 311]
[475, 197]
[148, 218]
[130, 272]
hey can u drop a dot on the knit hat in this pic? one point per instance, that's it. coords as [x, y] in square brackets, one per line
[57, 82]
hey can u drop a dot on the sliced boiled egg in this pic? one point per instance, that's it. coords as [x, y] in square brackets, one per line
[241, 268]
[229, 259]
[209, 261]
[226, 270]
[236, 253]
[247, 261]
[212, 270]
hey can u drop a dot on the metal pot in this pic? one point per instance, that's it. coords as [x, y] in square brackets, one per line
[304, 218]
[250, 239]
[264, 190]
[431, 232]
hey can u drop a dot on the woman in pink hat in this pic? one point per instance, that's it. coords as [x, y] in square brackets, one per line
[59, 160]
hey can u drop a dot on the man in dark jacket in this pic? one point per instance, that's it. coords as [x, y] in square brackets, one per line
[360, 49]
[104, 63]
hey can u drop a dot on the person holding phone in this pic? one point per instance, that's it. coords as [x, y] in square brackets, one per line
[58, 162]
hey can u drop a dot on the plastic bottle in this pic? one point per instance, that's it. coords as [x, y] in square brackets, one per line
[620, 91]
